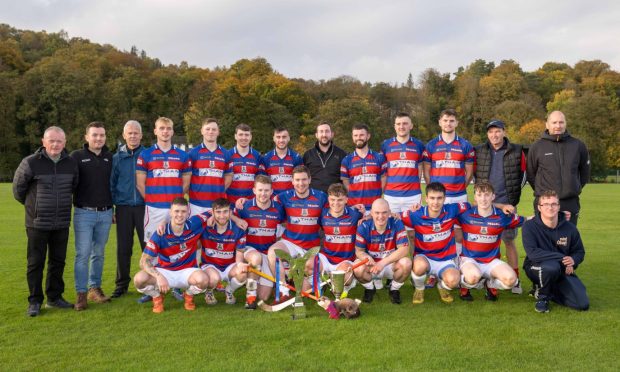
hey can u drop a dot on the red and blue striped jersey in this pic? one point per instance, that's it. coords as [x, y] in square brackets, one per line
[243, 169]
[262, 223]
[164, 174]
[302, 217]
[339, 241]
[208, 169]
[434, 237]
[280, 170]
[220, 249]
[177, 252]
[379, 246]
[481, 235]
[364, 175]
[448, 163]
[402, 166]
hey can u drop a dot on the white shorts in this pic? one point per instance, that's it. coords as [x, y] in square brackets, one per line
[195, 210]
[401, 204]
[224, 275]
[153, 217]
[485, 268]
[177, 278]
[264, 267]
[327, 266]
[386, 273]
[436, 268]
[293, 249]
[279, 231]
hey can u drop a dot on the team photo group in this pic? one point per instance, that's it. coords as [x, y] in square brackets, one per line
[382, 217]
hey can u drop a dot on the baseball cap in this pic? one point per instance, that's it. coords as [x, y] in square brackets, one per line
[497, 124]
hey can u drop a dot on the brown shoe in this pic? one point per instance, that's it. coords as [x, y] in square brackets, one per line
[96, 295]
[81, 303]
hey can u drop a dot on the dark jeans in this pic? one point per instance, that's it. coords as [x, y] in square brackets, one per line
[571, 205]
[128, 219]
[39, 243]
[552, 283]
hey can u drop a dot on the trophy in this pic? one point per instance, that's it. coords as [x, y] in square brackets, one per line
[296, 271]
[337, 281]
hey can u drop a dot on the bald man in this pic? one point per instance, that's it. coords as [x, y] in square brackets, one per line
[559, 162]
[383, 241]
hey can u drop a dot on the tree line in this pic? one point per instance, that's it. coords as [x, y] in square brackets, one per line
[53, 79]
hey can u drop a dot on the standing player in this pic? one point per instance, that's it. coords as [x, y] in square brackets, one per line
[383, 240]
[223, 246]
[279, 162]
[263, 217]
[363, 171]
[243, 165]
[482, 227]
[209, 164]
[175, 251]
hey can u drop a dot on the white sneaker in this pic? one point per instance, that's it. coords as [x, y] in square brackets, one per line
[230, 298]
[517, 288]
[210, 298]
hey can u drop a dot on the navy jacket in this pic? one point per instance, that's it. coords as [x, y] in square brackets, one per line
[543, 243]
[123, 178]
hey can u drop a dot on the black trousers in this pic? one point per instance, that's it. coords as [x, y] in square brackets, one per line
[552, 283]
[39, 243]
[572, 205]
[128, 219]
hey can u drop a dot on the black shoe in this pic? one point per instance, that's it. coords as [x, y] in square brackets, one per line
[369, 294]
[491, 293]
[542, 306]
[465, 295]
[395, 296]
[33, 309]
[388, 284]
[118, 292]
[59, 303]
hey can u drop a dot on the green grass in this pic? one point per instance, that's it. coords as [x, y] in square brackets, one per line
[506, 335]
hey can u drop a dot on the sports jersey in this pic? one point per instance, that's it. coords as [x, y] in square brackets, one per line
[177, 252]
[339, 241]
[220, 249]
[364, 175]
[280, 170]
[302, 217]
[262, 223]
[164, 174]
[208, 169]
[402, 166]
[434, 237]
[481, 235]
[448, 163]
[243, 169]
[377, 245]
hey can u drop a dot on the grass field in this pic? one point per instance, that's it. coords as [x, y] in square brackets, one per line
[506, 335]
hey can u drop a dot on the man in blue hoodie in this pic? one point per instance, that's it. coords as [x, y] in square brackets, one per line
[129, 203]
[554, 250]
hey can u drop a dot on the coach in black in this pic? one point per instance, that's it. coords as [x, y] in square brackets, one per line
[324, 159]
[44, 183]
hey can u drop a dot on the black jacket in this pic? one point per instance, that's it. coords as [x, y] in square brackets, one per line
[93, 190]
[559, 163]
[514, 175]
[542, 243]
[324, 166]
[46, 189]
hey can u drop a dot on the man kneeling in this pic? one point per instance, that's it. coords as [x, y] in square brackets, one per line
[175, 254]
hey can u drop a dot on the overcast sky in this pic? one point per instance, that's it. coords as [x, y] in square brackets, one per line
[370, 40]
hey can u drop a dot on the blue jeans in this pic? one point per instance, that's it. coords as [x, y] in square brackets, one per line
[91, 235]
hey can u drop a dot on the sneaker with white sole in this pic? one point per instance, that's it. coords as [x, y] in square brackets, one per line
[230, 298]
[210, 298]
[517, 288]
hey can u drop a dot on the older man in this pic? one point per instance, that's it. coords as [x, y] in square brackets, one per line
[129, 203]
[44, 184]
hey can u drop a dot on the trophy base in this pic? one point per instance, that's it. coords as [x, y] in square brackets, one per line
[299, 311]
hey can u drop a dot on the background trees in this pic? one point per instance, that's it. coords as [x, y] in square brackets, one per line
[51, 79]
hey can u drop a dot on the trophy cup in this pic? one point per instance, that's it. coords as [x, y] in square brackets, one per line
[296, 271]
[337, 283]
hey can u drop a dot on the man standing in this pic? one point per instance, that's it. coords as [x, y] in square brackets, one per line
[244, 163]
[363, 171]
[502, 164]
[92, 216]
[279, 162]
[129, 212]
[324, 159]
[383, 241]
[209, 164]
[44, 183]
[553, 250]
[560, 162]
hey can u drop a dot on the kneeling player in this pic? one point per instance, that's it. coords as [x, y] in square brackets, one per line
[223, 246]
[482, 228]
[383, 240]
[176, 265]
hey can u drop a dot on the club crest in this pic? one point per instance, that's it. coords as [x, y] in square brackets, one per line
[364, 169]
[436, 227]
[337, 230]
[244, 169]
[262, 223]
[220, 246]
[183, 246]
[403, 155]
[211, 164]
[304, 212]
[483, 230]
[166, 164]
[448, 155]
[281, 170]
[382, 247]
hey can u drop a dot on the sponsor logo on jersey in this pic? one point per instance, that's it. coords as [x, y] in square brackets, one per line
[454, 164]
[432, 238]
[243, 177]
[482, 238]
[210, 172]
[365, 178]
[165, 173]
[304, 221]
[403, 164]
[175, 257]
[340, 239]
[281, 177]
[259, 231]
